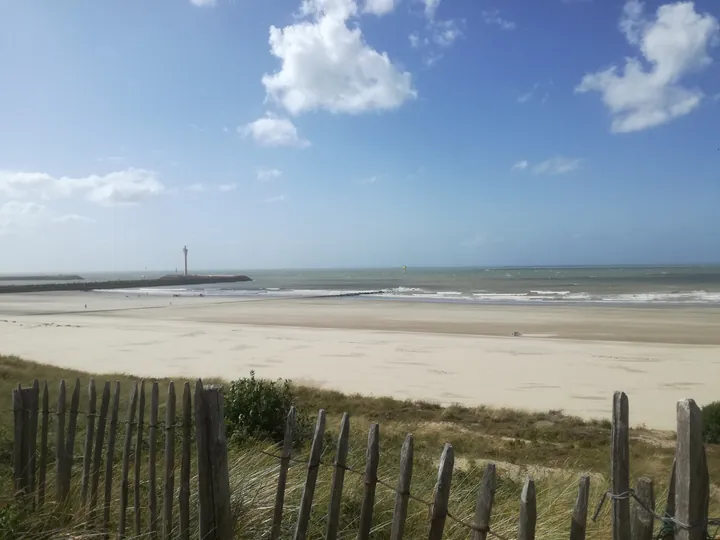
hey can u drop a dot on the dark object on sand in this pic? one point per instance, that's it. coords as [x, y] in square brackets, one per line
[516, 334]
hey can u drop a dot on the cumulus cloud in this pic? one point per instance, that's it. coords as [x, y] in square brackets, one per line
[520, 166]
[379, 7]
[556, 166]
[203, 3]
[268, 175]
[327, 64]
[19, 214]
[130, 186]
[649, 91]
[272, 130]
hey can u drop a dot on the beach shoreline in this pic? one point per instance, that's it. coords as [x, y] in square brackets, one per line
[569, 358]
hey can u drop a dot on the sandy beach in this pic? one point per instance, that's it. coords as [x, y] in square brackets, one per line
[567, 357]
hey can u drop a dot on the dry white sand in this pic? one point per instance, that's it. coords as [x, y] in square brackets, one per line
[569, 358]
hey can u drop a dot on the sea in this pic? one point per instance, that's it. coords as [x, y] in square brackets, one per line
[621, 285]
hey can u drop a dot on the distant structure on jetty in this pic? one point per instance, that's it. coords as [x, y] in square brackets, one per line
[185, 251]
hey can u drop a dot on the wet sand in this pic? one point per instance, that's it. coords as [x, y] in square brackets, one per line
[567, 357]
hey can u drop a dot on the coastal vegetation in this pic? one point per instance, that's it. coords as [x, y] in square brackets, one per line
[552, 447]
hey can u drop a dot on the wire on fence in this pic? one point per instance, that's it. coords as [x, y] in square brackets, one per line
[161, 424]
[450, 516]
[669, 522]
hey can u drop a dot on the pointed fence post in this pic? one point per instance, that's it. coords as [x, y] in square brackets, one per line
[97, 452]
[438, 513]
[137, 518]
[42, 466]
[338, 478]
[184, 495]
[213, 475]
[89, 435]
[643, 521]
[528, 511]
[620, 467]
[692, 481]
[60, 462]
[169, 477]
[402, 495]
[127, 446]
[483, 508]
[578, 526]
[308, 493]
[282, 475]
[19, 453]
[372, 460]
[32, 411]
[71, 433]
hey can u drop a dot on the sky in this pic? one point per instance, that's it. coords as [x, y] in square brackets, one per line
[357, 133]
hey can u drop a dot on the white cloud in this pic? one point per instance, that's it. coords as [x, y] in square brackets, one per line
[268, 175]
[649, 92]
[328, 65]
[275, 199]
[445, 33]
[493, 17]
[19, 214]
[520, 166]
[379, 7]
[272, 130]
[224, 188]
[557, 165]
[126, 187]
[437, 34]
[203, 3]
[73, 218]
[431, 7]
[196, 188]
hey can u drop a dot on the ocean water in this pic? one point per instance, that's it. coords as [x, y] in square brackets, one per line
[666, 285]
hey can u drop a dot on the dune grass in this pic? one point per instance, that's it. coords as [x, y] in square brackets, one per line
[553, 448]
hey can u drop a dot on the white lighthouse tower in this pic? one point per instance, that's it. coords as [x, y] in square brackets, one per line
[185, 252]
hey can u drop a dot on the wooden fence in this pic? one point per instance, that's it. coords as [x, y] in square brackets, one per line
[685, 516]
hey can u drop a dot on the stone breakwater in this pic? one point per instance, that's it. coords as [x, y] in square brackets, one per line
[165, 281]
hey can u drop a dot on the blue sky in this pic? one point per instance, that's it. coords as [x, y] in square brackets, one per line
[324, 133]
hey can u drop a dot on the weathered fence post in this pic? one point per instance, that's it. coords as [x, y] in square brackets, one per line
[89, 434]
[338, 478]
[213, 475]
[643, 521]
[402, 495]
[112, 435]
[282, 474]
[667, 532]
[309, 489]
[137, 518]
[169, 478]
[32, 410]
[438, 512]
[19, 454]
[97, 453]
[372, 460]
[692, 482]
[528, 511]
[152, 457]
[184, 495]
[620, 468]
[127, 446]
[578, 525]
[60, 462]
[42, 466]
[483, 507]
[71, 432]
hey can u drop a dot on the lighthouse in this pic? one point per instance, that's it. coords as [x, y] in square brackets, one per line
[185, 251]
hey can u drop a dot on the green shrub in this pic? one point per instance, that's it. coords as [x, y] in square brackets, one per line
[258, 409]
[711, 422]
